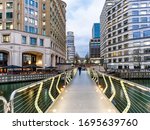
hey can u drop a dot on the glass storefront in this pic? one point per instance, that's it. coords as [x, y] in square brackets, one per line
[28, 59]
[3, 61]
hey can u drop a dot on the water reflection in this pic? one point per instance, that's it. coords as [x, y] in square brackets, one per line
[7, 89]
[145, 82]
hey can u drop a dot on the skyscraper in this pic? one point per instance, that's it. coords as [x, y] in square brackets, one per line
[94, 45]
[125, 34]
[96, 30]
[70, 47]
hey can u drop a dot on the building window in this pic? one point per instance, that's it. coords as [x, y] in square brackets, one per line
[136, 12]
[1, 15]
[26, 28]
[147, 43]
[9, 25]
[44, 32]
[36, 4]
[120, 39]
[44, 23]
[144, 5]
[1, 26]
[125, 22]
[126, 37]
[135, 20]
[44, 6]
[135, 5]
[31, 2]
[126, 59]
[144, 25]
[119, 60]
[9, 5]
[144, 19]
[41, 42]
[119, 25]
[24, 40]
[146, 33]
[9, 15]
[26, 19]
[26, 1]
[143, 12]
[134, 27]
[136, 34]
[6, 38]
[33, 41]
[1, 6]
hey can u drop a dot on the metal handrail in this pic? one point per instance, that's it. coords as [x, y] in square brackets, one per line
[128, 88]
[5, 104]
[36, 89]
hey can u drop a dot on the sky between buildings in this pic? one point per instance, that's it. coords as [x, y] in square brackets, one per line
[81, 14]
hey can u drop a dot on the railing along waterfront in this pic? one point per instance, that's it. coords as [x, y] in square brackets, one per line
[38, 97]
[18, 78]
[127, 97]
[3, 105]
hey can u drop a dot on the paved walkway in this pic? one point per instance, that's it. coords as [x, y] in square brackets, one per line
[82, 96]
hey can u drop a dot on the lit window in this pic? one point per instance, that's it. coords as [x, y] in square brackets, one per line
[44, 23]
[36, 13]
[44, 14]
[9, 25]
[1, 26]
[6, 38]
[147, 43]
[36, 22]
[26, 19]
[143, 12]
[143, 5]
[9, 5]
[1, 6]
[135, 5]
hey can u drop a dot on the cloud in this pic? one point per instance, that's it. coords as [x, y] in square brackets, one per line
[81, 14]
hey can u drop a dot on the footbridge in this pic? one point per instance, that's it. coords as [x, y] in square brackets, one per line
[69, 92]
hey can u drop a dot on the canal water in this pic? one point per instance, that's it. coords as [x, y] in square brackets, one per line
[7, 89]
[145, 82]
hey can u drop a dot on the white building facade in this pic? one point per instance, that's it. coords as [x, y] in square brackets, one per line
[21, 48]
[125, 34]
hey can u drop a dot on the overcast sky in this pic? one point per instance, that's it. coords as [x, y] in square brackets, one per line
[81, 14]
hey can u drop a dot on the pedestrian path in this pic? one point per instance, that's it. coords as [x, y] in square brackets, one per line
[82, 96]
